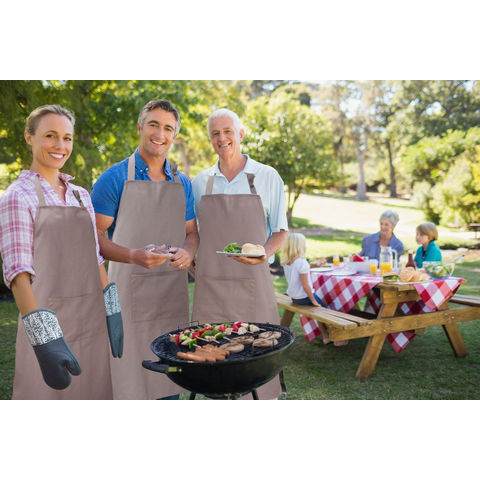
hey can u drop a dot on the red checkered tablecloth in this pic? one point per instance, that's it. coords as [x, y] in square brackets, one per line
[343, 292]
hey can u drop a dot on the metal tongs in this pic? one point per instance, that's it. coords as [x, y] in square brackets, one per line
[154, 249]
[453, 262]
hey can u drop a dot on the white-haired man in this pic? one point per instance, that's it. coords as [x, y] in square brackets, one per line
[237, 200]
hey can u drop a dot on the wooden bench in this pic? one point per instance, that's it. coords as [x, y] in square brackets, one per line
[465, 300]
[474, 227]
[331, 318]
[344, 326]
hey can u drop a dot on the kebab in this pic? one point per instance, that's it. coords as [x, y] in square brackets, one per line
[189, 337]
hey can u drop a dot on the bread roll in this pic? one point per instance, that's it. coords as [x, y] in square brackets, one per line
[253, 249]
[406, 275]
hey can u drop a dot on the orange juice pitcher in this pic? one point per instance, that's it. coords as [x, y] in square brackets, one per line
[388, 259]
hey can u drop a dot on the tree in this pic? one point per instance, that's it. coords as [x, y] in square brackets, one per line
[331, 98]
[294, 140]
[106, 114]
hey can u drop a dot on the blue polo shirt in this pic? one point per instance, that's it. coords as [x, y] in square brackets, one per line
[431, 254]
[107, 190]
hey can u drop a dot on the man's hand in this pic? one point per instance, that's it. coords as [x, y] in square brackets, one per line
[181, 258]
[250, 260]
[147, 259]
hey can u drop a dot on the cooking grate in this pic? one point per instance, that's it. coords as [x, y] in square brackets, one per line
[166, 349]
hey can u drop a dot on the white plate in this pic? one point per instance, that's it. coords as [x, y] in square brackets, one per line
[343, 273]
[321, 269]
[251, 255]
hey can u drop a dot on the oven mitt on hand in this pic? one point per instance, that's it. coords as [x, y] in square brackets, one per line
[114, 319]
[54, 356]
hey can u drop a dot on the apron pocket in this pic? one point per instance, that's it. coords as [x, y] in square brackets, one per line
[221, 299]
[159, 296]
[78, 316]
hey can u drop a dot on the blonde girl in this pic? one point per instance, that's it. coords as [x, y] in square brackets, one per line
[297, 274]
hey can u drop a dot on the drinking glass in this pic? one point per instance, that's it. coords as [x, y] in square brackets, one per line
[373, 266]
[336, 260]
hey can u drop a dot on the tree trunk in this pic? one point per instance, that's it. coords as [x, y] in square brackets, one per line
[339, 159]
[393, 185]
[289, 215]
[361, 187]
[185, 159]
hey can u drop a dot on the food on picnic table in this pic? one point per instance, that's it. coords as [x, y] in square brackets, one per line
[390, 277]
[419, 276]
[253, 249]
[357, 258]
[233, 248]
[406, 274]
[318, 262]
[409, 274]
[438, 269]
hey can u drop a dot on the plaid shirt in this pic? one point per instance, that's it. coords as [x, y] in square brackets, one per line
[18, 206]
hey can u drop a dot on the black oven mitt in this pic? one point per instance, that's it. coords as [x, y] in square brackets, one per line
[54, 356]
[114, 319]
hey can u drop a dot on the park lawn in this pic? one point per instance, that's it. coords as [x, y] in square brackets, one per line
[426, 369]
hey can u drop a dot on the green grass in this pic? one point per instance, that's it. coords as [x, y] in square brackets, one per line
[426, 369]
[8, 332]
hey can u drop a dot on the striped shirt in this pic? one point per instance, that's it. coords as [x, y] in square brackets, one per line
[18, 206]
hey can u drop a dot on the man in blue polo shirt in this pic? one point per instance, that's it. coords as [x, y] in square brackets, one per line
[147, 229]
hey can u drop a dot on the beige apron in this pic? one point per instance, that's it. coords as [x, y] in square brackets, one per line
[153, 301]
[226, 290]
[67, 281]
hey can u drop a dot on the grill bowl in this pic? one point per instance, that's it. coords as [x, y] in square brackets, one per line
[238, 374]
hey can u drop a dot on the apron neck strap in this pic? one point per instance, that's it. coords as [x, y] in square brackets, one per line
[208, 190]
[41, 197]
[250, 177]
[76, 194]
[131, 168]
[174, 168]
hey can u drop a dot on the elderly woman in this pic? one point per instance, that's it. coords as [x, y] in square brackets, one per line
[385, 237]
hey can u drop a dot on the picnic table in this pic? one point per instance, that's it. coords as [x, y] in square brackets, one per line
[395, 310]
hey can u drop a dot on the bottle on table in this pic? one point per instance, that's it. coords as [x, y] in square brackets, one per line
[410, 261]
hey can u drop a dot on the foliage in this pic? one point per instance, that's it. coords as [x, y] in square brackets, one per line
[294, 140]
[106, 114]
[449, 187]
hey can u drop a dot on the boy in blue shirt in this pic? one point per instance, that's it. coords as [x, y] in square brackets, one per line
[428, 250]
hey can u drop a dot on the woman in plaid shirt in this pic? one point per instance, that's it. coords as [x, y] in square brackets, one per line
[52, 264]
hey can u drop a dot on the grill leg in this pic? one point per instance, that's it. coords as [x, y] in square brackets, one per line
[283, 395]
[255, 394]
[192, 395]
